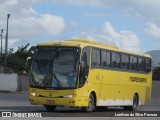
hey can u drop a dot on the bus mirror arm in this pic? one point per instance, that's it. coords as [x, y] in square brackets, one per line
[82, 67]
[28, 63]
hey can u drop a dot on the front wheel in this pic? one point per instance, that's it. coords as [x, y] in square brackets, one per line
[91, 104]
[50, 108]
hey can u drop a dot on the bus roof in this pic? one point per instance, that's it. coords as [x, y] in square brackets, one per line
[84, 42]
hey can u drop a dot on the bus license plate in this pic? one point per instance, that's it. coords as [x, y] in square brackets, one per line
[50, 101]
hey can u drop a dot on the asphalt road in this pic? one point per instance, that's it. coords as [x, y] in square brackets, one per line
[20, 103]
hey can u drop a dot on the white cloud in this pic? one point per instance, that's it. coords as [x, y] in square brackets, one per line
[90, 14]
[145, 10]
[27, 23]
[73, 24]
[140, 8]
[107, 34]
[153, 29]
[80, 2]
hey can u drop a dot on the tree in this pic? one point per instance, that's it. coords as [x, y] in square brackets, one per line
[156, 73]
[16, 61]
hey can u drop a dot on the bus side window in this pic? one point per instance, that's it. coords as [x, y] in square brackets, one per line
[148, 65]
[118, 60]
[104, 58]
[96, 61]
[132, 62]
[94, 57]
[123, 61]
[108, 59]
[84, 66]
[140, 64]
[143, 64]
[98, 57]
[113, 59]
[127, 62]
[135, 63]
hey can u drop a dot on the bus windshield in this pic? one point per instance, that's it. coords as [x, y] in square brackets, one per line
[55, 67]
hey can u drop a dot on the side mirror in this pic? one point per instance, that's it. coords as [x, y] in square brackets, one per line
[28, 63]
[82, 67]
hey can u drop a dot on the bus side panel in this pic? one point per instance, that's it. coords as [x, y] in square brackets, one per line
[142, 88]
[117, 88]
[117, 85]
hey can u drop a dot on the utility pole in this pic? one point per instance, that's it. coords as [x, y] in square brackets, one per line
[1, 41]
[6, 43]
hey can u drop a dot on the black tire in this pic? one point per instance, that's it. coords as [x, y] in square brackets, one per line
[101, 108]
[91, 104]
[50, 108]
[134, 106]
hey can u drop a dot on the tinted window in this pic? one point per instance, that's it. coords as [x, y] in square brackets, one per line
[118, 60]
[132, 62]
[114, 60]
[84, 69]
[144, 64]
[86, 56]
[148, 64]
[104, 58]
[95, 57]
[98, 57]
[135, 63]
[108, 59]
[125, 61]
[140, 64]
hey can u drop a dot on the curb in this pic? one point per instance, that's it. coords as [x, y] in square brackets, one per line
[12, 92]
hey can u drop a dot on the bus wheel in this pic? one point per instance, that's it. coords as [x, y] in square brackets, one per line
[101, 108]
[91, 104]
[50, 108]
[134, 106]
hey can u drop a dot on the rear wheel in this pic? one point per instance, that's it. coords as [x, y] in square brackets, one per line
[101, 108]
[50, 108]
[134, 106]
[91, 104]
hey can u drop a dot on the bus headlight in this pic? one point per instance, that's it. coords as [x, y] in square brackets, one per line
[34, 94]
[69, 95]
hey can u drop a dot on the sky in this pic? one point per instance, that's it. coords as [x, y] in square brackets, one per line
[129, 24]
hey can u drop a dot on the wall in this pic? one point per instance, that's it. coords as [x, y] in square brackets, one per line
[156, 89]
[23, 82]
[1, 69]
[8, 82]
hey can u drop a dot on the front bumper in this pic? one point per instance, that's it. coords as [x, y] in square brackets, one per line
[71, 102]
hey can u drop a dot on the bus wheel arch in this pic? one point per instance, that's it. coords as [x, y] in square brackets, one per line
[91, 102]
[135, 103]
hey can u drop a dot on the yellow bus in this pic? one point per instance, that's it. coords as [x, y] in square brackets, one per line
[88, 74]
